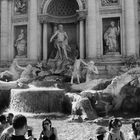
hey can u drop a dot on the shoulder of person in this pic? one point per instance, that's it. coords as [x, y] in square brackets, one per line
[42, 132]
[122, 135]
[131, 136]
[54, 130]
[107, 135]
[5, 136]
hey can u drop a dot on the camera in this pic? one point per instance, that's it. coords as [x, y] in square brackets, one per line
[29, 132]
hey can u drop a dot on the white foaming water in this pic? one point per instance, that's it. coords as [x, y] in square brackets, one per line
[28, 114]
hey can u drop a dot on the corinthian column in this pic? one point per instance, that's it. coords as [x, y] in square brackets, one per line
[33, 29]
[81, 44]
[92, 29]
[131, 24]
[45, 46]
[4, 30]
[82, 16]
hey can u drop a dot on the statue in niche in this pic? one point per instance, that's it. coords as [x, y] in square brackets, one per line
[20, 44]
[21, 6]
[111, 37]
[108, 2]
[60, 39]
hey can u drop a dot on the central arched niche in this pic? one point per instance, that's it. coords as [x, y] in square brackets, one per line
[62, 7]
[62, 11]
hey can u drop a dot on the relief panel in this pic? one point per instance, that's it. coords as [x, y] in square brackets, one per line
[109, 2]
[20, 7]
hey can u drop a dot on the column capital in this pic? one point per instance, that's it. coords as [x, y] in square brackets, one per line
[82, 14]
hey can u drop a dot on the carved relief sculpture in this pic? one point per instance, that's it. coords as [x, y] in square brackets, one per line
[109, 2]
[21, 7]
[21, 42]
[111, 35]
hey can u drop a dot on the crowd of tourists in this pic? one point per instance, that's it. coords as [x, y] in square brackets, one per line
[16, 128]
[114, 131]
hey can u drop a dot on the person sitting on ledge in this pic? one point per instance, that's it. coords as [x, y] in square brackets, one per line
[48, 132]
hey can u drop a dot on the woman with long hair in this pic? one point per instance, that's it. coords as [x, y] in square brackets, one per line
[48, 132]
[114, 130]
[135, 134]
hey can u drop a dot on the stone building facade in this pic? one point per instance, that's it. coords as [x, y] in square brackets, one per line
[98, 29]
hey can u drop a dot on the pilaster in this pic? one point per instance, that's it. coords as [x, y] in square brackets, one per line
[4, 30]
[33, 31]
[130, 24]
[82, 42]
[45, 51]
[92, 29]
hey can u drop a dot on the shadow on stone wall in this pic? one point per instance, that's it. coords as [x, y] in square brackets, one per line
[4, 99]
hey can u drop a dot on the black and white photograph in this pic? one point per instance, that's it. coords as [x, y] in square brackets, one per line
[69, 69]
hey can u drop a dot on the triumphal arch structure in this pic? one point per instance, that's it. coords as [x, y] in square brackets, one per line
[102, 30]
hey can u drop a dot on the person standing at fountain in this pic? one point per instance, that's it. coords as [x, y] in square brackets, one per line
[20, 128]
[114, 130]
[10, 118]
[135, 134]
[48, 132]
[3, 122]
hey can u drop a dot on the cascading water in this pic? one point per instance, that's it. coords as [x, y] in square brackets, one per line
[37, 100]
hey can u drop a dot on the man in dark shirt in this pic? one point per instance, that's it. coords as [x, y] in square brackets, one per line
[19, 128]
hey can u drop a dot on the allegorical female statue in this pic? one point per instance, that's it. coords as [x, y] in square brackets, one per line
[111, 37]
[20, 44]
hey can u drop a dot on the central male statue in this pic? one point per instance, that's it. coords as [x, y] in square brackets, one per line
[61, 41]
